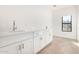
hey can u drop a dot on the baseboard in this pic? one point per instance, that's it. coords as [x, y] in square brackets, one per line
[62, 37]
[44, 47]
[65, 38]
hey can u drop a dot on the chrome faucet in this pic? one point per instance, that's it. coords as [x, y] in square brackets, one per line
[14, 26]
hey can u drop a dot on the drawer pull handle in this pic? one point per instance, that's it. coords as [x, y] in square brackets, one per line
[19, 47]
[23, 46]
[41, 38]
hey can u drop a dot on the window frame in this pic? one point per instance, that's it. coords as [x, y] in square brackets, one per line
[67, 25]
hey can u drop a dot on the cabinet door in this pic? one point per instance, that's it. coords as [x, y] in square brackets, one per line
[39, 41]
[42, 39]
[48, 37]
[36, 44]
[45, 39]
[27, 46]
[11, 49]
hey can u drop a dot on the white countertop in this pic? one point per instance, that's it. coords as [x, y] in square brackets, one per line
[11, 37]
[15, 38]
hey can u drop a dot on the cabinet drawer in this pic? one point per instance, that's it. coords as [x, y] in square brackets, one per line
[10, 49]
[27, 46]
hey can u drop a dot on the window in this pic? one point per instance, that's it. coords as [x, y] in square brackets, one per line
[67, 24]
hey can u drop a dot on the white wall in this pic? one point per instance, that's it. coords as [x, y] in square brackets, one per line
[60, 11]
[77, 12]
[27, 18]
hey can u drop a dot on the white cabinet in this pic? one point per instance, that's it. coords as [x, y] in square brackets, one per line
[48, 37]
[10, 49]
[24, 47]
[41, 39]
[36, 42]
[27, 46]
